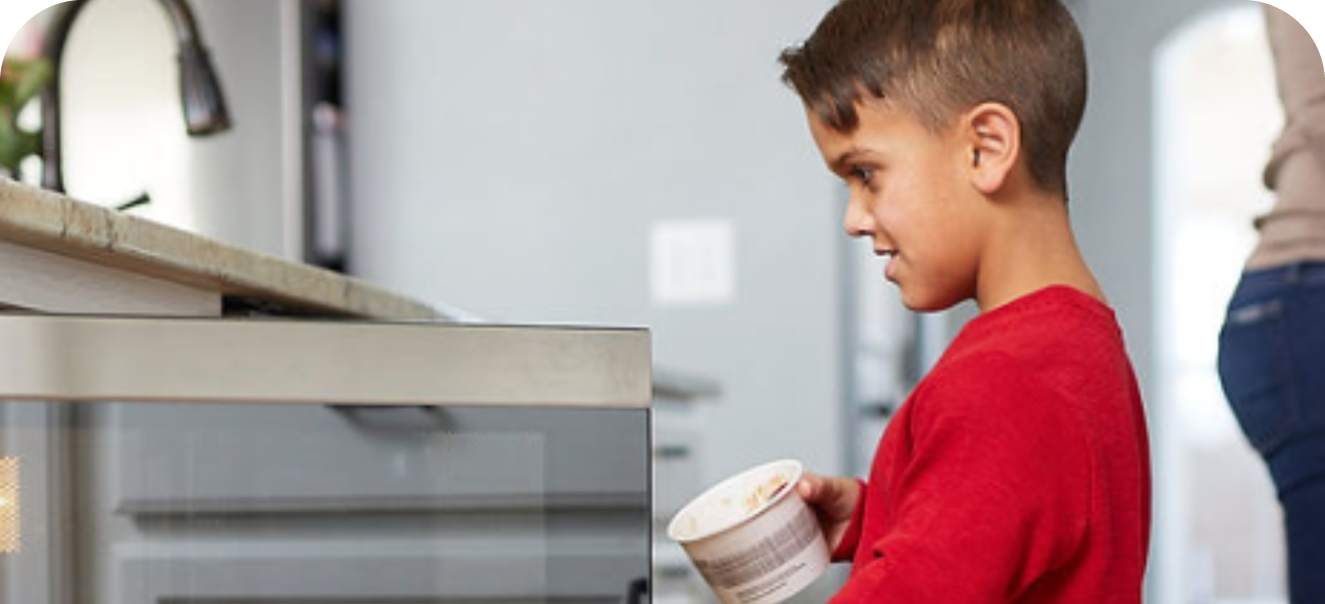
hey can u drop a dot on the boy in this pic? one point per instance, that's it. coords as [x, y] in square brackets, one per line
[1018, 469]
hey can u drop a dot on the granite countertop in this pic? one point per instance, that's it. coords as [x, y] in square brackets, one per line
[58, 224]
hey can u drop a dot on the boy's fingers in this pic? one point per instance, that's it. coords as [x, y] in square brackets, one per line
[808, 486]
[830, 494]
[815, 488]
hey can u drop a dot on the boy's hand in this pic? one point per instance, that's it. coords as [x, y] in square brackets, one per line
[834, 499]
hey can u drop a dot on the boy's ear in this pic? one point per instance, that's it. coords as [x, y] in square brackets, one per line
[993, 140]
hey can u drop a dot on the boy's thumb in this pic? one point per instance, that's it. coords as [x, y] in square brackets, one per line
[808, 487]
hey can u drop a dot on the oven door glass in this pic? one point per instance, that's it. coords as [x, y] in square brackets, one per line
[124, 501]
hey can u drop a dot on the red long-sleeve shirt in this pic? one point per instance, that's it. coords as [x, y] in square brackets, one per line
[1017, 471]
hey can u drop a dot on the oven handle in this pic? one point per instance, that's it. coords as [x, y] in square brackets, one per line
[394, 417]
[636, 591]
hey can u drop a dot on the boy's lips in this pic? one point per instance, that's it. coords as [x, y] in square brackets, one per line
[889, 271]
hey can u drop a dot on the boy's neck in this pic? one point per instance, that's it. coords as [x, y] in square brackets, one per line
[1031, 247]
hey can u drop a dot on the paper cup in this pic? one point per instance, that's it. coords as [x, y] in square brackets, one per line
[752, 537]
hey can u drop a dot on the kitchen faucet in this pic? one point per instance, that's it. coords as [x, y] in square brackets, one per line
[200, 91]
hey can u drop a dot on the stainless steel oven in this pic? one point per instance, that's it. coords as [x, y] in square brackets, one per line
[280, 461]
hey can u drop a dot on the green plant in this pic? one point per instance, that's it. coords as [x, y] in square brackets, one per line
[21, 80]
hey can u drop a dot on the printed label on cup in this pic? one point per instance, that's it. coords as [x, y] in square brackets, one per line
[765, 553]
[766, 566]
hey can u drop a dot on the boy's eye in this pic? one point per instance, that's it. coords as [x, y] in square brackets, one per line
[862, 175]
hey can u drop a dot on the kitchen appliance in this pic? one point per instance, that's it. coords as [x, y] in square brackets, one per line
[151, 460]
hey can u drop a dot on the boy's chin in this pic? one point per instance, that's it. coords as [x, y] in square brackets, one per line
[921, 303]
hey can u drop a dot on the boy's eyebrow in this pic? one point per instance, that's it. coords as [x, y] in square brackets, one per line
[839, 163]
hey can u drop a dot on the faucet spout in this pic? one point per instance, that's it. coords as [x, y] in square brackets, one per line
[202, 101]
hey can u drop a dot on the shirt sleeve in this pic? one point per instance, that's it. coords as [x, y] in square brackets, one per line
[994, 494]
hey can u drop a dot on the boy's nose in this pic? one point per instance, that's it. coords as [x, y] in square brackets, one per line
[857, 221]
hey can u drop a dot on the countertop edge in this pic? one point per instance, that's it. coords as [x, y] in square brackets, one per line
[59, 224]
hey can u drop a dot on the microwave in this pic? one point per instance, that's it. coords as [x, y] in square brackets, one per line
[267, 461]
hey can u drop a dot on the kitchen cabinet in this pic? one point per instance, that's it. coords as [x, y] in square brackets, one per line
[192, 422]
[678, 448]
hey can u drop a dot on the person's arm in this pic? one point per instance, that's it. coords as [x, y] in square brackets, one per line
[995, 495]
[1300, 79]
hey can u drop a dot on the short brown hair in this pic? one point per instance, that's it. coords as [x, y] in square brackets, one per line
[937, 58]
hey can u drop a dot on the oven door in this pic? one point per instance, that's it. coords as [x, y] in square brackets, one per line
[268, 461]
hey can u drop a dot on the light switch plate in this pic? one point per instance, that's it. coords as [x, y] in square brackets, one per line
[692, 262]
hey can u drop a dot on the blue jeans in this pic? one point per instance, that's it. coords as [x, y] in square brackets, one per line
[1272, 366]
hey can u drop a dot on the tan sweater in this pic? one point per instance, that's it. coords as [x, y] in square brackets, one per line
[1294, 229]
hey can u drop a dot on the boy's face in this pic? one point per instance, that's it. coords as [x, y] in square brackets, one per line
[911, 195]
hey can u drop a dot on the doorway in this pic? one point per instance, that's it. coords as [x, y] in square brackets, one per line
[1217, 115]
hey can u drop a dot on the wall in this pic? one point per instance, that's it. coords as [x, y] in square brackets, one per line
[510, 158]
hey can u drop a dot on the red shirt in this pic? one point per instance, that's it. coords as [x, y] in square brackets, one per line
[1017, 471]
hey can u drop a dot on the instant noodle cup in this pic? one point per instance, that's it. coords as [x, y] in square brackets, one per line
[752, 537]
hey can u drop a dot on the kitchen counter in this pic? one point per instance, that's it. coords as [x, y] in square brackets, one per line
[39, 228]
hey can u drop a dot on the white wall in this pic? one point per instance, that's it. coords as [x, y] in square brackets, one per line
[510, 157]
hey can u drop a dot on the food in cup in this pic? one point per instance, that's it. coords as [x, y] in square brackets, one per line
[764, 493]
[727, 511]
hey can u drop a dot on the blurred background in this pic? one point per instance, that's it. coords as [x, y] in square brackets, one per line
[639, 163]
